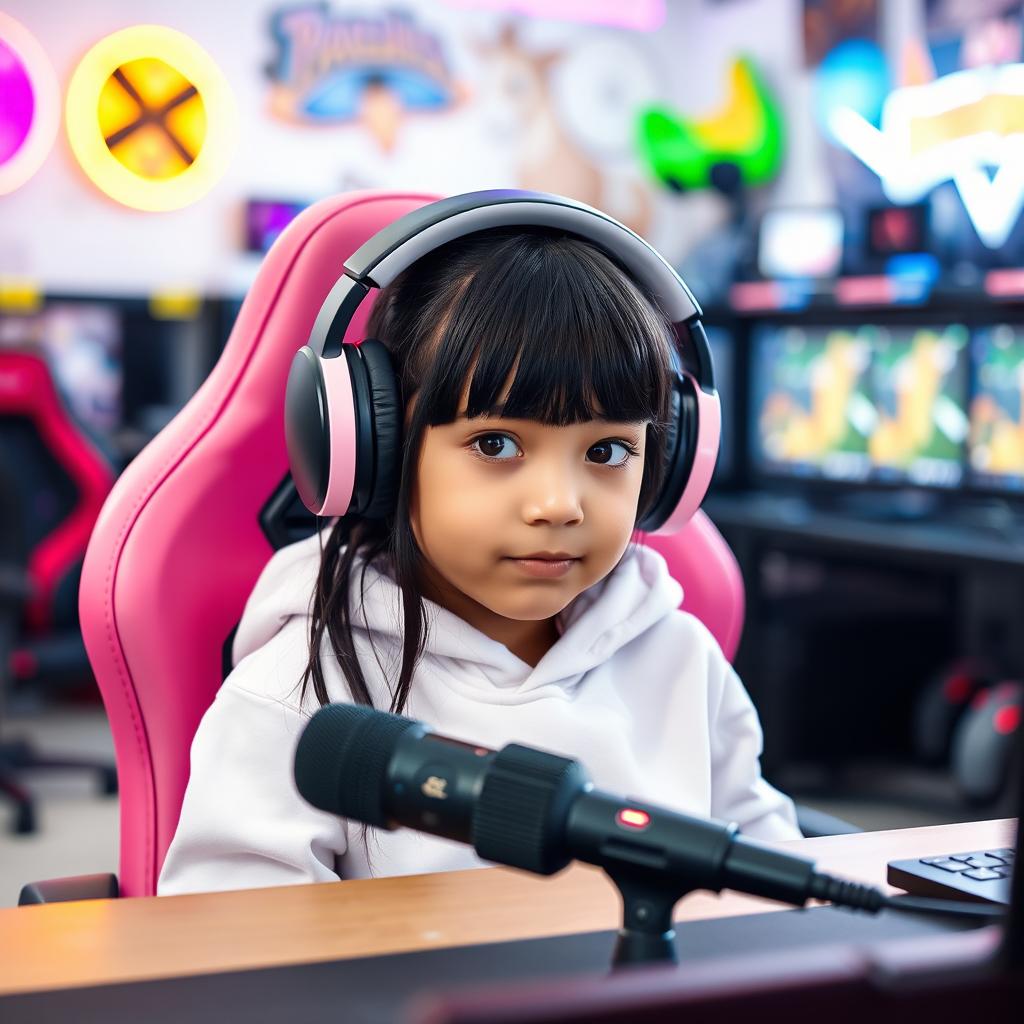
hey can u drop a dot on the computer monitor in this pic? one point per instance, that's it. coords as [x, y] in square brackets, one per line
[811, 413]
[265, 219]
[896, 230]
[81, 342]
[919, 382]
[800, 242]
[723, 354]
[996, 445]
[867, 403]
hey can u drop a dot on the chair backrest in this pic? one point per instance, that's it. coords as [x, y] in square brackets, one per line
[180, 541]
[58, 475]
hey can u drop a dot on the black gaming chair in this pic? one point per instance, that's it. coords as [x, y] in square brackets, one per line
[44, 513]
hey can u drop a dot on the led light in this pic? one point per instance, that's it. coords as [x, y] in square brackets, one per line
[150, 118]
[29, 104]
[631, 817]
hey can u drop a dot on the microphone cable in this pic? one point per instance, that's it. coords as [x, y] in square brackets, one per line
[869, 898]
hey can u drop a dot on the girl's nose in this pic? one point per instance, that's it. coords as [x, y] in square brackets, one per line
[553, 495]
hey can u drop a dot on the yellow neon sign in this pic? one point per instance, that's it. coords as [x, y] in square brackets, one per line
[150, 118]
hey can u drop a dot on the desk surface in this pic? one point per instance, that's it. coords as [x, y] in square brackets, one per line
[97, 941]
[948, 537]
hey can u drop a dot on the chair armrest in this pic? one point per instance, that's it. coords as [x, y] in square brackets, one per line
[75, 887]
[814, 824]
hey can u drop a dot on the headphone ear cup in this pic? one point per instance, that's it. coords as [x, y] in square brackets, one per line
[387, 429]
[680, 435]
[307, 429]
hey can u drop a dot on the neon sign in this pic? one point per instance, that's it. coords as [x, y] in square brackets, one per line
[952, 129]
[746, 132]
[29, 104]
[150, 118]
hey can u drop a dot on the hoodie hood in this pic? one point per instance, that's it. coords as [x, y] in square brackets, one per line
[631, 599]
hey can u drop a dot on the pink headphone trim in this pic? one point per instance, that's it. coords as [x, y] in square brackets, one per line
[709, 428]
[342, 418]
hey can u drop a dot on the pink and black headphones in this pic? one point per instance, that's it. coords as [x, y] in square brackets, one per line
[343, 416]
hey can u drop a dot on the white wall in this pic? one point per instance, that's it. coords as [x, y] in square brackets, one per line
[61, 231]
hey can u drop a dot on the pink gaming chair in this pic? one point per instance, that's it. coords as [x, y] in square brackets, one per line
[179, 543]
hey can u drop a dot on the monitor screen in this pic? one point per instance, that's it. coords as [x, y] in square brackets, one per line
[800, 242]
[897, 230]
[919, 379]
[724, 357]
[265, 219]
[811, 411]
[996, 446]
[82, 344]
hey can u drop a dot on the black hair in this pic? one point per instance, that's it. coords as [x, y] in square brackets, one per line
[583, 341]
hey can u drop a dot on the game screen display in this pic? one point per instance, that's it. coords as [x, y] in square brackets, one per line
[82, 344]
[811, 412]
[866, 403]
[996, 445]
[723, 356]
[919, 381]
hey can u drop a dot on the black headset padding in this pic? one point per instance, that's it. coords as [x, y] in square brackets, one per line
[680, 448]
[386, 435]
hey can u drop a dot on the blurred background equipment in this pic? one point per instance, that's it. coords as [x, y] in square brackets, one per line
[941, 704]
[984, 742]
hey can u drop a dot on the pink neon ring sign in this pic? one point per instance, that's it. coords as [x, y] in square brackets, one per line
[29, 104]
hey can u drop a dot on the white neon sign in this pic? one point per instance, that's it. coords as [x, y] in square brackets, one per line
[951, 129]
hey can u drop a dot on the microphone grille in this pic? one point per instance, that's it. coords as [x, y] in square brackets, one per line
[341, 761]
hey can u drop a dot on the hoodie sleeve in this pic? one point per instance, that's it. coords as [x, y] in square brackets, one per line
[738, 791]
[243, 823]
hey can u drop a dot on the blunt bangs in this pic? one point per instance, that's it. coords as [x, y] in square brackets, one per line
[565, 324]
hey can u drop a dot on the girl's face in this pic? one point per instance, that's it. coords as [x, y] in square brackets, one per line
[490, 491]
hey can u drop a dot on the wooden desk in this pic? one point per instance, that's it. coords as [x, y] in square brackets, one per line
[96, 941]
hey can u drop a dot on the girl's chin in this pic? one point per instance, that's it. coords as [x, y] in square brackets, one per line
[532, 610]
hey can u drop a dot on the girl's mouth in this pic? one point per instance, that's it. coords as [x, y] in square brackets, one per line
[544, 568]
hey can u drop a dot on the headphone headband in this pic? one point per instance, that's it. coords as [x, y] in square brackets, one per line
[380, 260]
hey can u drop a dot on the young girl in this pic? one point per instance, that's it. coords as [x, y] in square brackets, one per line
[502, 600]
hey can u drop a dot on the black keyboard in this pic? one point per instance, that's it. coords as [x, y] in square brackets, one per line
[983, 875]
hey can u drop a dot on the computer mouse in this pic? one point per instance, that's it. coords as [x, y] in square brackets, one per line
[940, 705]
[984, 742]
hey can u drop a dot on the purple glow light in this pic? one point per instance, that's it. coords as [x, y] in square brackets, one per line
[17, 104]
[639, 15]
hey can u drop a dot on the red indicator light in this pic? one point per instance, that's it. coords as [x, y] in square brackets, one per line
[1006, 719]
[629, 817]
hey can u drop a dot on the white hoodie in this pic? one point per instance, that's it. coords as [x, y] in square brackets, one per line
[635, 689]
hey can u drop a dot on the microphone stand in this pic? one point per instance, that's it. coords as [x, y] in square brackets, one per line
[647, 935]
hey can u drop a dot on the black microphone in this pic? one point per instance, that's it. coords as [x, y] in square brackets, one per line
[530, 809]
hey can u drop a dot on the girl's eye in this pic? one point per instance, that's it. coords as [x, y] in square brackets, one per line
[492, 446]
[502, 448]
[605, 455]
